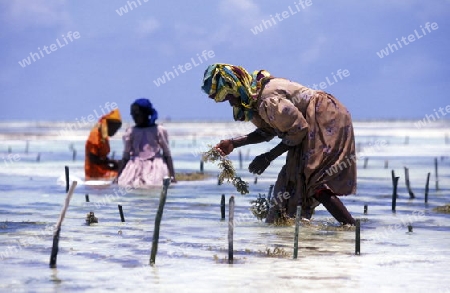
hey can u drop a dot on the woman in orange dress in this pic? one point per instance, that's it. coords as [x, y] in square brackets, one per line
[97, 165]
[315, 130]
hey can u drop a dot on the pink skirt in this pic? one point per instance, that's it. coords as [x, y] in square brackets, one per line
[144, 173]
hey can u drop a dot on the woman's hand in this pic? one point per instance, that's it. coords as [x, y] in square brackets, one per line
[112, 165]
[259, 164]
[225, 147]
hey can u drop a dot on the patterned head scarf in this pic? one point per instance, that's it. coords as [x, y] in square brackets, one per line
[147, 106]
[221, 80]
[103, 122]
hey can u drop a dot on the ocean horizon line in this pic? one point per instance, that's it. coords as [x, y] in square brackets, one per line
[169, 120]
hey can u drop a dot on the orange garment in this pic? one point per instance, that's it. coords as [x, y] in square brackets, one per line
[99, 147]
[98, 144]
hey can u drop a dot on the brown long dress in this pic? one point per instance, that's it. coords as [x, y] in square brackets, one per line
[319, 129]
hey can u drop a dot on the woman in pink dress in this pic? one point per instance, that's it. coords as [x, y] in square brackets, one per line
[146, 158]
[314, 128]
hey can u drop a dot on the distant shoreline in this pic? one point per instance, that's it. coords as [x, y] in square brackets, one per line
[161, 121]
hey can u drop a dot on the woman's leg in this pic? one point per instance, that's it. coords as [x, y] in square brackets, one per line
[334, 206]
[277, 203]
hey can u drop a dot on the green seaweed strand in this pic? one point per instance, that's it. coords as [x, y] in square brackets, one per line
[228, 172]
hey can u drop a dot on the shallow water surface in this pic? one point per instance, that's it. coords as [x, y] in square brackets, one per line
[193, 246]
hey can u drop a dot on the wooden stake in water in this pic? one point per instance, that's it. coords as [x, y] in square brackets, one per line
[74, 155]
[297, 226]
[57, 230]
[240, 159]
[201, 166]
[222, 207]
[358, 237]
[410, 228]
[427, 186]
[230, 229]
[386, 164]
[38, 158]
[366, 161]
[365, 209]
[394, 194]
[122, 218]
[270, 192]
[66, 169]
[256, 179]
[159, 214]
[436, 172]
[393, 180]
[87, 197]
[408, 184]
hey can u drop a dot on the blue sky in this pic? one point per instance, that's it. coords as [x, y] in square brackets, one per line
[118, 58]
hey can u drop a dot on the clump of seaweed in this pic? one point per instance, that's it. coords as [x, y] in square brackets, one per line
[443, 209]
[91, 218]
[276, 252]
[228, 172]
[283, 219]
[328, 227]
[196, 176]
[260, 207]
[284, 222]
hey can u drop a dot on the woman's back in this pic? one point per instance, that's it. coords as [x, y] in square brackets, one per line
[146, 150]
[146, 142]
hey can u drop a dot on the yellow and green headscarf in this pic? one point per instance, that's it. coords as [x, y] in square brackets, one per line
[222, 79]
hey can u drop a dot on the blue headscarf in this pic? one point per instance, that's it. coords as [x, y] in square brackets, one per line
[147, 105]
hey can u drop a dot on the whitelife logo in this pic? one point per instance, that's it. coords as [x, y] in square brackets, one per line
[279, 17]
[49, 49]
[194, 62]
[131, 5]
[429, 27]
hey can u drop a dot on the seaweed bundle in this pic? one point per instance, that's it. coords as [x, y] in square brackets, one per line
[228, 172]
[260, 207]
